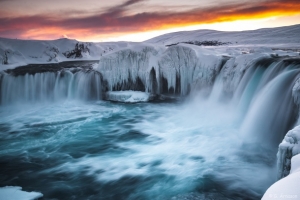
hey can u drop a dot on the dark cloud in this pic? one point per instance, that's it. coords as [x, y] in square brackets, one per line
[115, 19]
[130, 2]
[118, 10]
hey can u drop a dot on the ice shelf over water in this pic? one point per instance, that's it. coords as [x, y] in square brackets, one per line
[128, 96]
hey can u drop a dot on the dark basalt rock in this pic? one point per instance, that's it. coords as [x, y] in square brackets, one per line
[77, 52]
[202, 43]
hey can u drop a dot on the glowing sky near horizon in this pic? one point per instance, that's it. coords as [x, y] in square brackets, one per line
[138, 20]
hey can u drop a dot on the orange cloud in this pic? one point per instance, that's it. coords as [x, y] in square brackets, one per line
[114, 22]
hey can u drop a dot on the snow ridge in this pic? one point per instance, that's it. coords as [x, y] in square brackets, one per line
[261, 37]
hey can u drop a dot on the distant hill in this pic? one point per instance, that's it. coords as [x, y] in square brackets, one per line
[288, 36]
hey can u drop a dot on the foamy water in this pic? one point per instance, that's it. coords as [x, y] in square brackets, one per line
[102, 150]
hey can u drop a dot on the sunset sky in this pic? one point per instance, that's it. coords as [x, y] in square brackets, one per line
[138, 20]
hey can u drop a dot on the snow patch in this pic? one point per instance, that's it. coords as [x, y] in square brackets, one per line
[16, 193]
[288, 187]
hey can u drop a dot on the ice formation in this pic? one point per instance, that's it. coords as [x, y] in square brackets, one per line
[289, 147]
[288, 166]
[187, 67]
[172, 70]
[16, 193]
[128, 69]
[128, 96]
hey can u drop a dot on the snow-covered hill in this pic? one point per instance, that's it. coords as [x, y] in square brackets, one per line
[14, 52]
[274, 37]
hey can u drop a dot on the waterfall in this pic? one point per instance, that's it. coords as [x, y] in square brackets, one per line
[50, 86]
[261, 88]
[256, 96]
[271, 113]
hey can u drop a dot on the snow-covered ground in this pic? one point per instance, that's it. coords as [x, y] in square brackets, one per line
[14, 52]
[16, 193]
[288, 187]
[288, 160]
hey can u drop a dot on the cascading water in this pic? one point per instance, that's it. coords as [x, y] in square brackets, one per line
[267, 103]
[103, 150]
[51, 86]
[269, 120]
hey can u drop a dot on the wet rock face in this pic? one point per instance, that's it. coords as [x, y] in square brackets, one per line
[77, 52]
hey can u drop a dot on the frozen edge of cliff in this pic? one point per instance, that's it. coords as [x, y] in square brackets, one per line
[289, 147]
[16, 193]
[288, 163]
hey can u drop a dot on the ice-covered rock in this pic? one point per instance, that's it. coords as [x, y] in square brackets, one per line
[128, 96]
[16, 193]
[129, 69]
[288, 161]
[235, 69]
[159, 70]
[289, 147]
[14, 52]
[188, 66]
[288, 187]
